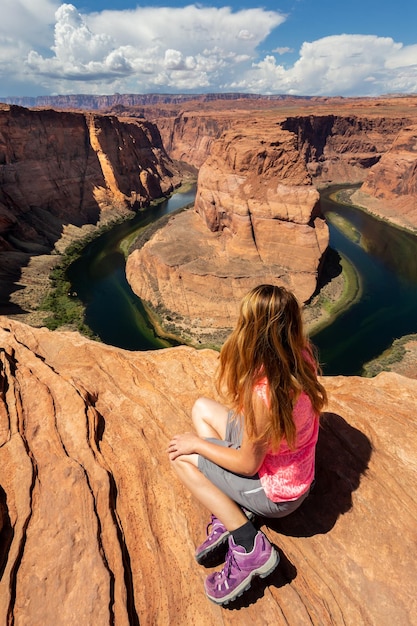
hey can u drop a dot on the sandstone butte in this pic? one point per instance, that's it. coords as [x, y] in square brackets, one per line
[256, 215]
[95, 529]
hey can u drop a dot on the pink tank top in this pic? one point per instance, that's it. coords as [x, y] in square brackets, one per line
[287, 474]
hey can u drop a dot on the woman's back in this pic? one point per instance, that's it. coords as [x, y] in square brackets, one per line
[269, 344]
[287, 473]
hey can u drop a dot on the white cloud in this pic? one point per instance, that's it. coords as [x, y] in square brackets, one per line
[147, 48]
[339, 65]
[74, 42]
[50, 48]
[79, 54]
[283, 50]
[24, 24]
[27, 20]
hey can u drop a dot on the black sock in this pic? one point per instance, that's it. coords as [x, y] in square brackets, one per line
[245, 536]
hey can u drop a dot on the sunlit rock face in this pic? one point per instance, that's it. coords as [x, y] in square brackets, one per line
[62, 174]
[96, 529]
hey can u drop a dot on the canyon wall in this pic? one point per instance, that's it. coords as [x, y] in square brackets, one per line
[390, 188]
[136, 100]
[63, 170]
[341, 149]
[260, 160]
[255, 220]
[72, 166]
[189, 136]
[96, 529]
[339, 138]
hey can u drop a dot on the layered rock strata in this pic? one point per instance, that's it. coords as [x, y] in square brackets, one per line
[340, 138]
[390, 188]
[60, 171]
[189, 136]
[343, 148]
[69, 167]
[95, 528]
[255, 221]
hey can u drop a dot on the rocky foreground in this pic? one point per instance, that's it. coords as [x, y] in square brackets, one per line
[95, 529]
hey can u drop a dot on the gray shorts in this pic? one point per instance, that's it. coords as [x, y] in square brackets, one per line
[246, 491]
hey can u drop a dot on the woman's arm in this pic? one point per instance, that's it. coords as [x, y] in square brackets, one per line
[246, 460]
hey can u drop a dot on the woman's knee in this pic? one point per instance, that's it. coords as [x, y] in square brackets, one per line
[177, 465]
[199, 410]
[209, 418]
[184, 462]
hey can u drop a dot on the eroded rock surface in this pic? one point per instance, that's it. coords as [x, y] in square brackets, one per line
[95, 529]
[390, 188]
[340, 139]
[63, 167]
[60, 171]
[188, 136]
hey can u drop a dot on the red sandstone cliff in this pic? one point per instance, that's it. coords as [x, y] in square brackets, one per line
[59, 168]
[60, 171]
[340, 139]
[189, 136]
[343, 148]
[258, 199]
[95, 529]
[390, 188]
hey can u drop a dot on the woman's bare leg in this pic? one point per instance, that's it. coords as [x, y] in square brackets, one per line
[218, 503]
[209, 418]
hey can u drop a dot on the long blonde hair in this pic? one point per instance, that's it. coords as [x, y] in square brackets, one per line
[269, 341]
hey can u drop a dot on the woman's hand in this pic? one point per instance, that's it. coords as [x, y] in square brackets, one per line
[186, 443]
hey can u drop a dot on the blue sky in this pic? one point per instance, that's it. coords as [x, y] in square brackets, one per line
[300, 47]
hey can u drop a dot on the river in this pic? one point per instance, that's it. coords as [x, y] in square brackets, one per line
[112, 311]
[384, 257]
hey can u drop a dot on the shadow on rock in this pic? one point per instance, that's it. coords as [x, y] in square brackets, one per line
[342, 457]
[6, 531]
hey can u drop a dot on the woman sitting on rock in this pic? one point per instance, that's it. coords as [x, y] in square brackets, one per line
[258, 457]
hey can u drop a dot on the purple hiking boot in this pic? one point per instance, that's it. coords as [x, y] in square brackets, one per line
[214, 547]
[240, 568]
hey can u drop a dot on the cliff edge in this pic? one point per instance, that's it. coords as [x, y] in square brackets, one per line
[95, 529]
